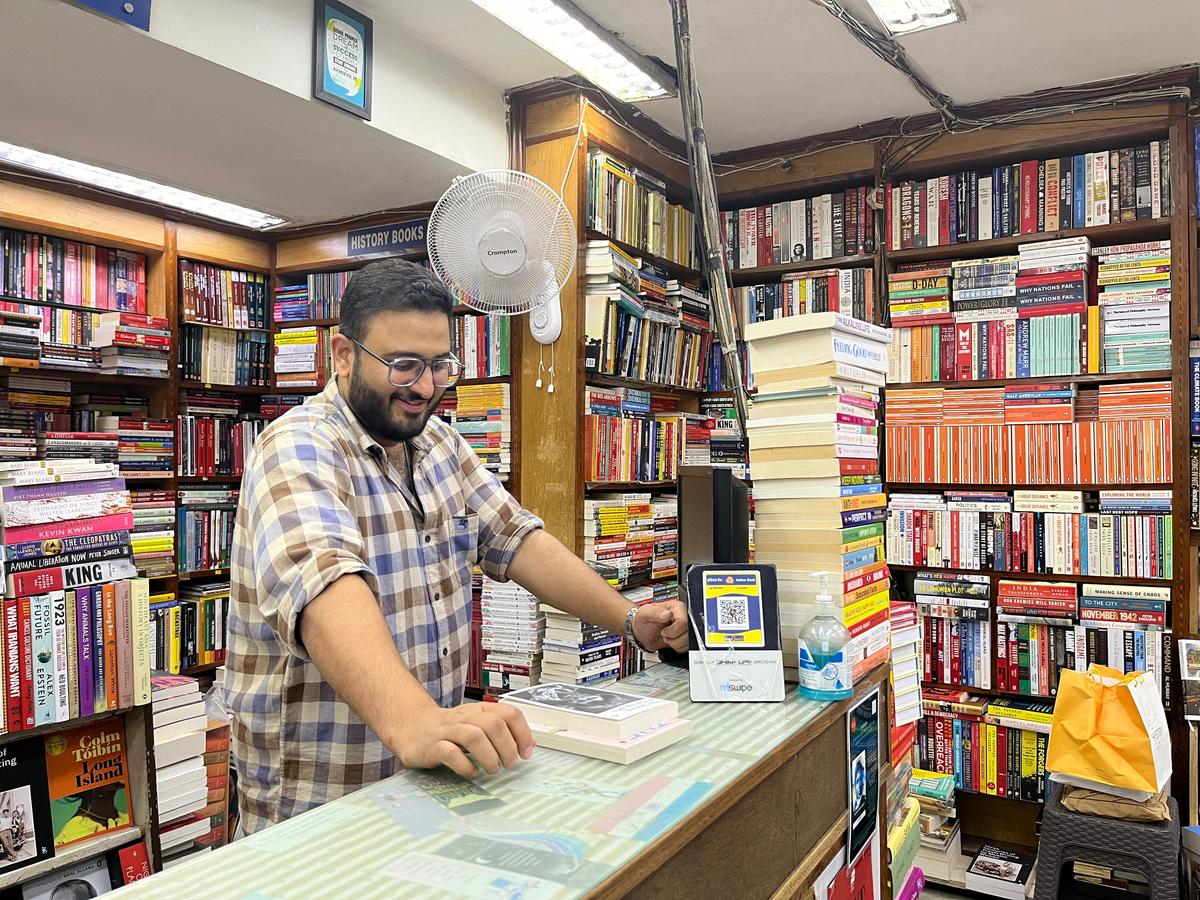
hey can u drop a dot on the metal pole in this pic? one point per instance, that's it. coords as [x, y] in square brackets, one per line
[704, 196]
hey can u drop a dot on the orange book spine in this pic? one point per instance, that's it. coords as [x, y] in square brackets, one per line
[111, 690]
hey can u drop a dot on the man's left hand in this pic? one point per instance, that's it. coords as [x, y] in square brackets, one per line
[659, 625]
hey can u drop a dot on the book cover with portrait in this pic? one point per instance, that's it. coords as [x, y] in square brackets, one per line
[26, 834]
[88, 775]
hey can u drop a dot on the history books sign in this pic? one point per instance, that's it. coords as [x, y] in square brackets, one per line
[342, 57]
[387, 240]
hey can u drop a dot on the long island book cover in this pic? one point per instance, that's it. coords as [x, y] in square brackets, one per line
[88, 775]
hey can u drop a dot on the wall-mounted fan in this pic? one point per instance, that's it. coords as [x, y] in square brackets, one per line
[506, 242]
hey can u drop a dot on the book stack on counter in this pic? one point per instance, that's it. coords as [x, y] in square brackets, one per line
[1135, 305]
[940, 853]
[76, 618]
[224, 356]
[821, 227]
[819, 503]
[205, 528]
[132, 344]
[20, 340]
[907, 644]
[214, 437]
[291, 303]
[992, 747]
[272, 406]
[727, 443]
[180, 723]
[1099, 188]
[302, 356]
[955, 612]
[512, 626]
[48, 400]
[630, 205]
[481, 344]
[849, 291]
[577, 652]
[600, 723]
[152, 537]
[697, 440]
[628, 438]
[483, 416]
[145, 447]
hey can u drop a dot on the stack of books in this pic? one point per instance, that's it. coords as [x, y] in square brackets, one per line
[603, 724]
[511, 629]
[17, 435]
[483, 416]
[223, 356]
[849, 291]
[76, 615]
[231, 298]
[1133, 401]
[1001, 872]
[145, 447]
[619, 535]
[955, 612]
[727, 443]
[819, 503]
[182, 782]
[822, 227]
[133, 344]
[272, 406]
[940, 853]
[48, 400]
[697, 437]
[1053, 287]
[215, 439]
[1135, 305]
[205, 528]
[907, 644]
[481, 344]
[87, 409]
[152, 537]
[664, 511]
[303, 356]
[629, 205]
[903, 842]
[576, 652]
[95, 445]
[920, 296]
[20, 340]
[291, 303]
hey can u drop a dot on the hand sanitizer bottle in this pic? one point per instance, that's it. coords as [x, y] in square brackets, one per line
[825, 672]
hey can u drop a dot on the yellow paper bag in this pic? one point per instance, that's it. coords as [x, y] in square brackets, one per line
[1109, 732]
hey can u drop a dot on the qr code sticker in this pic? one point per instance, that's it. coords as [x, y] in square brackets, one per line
[733, 612]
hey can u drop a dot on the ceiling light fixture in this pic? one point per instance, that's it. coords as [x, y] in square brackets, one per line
[132, 186]
[906, 16]
[565, 31]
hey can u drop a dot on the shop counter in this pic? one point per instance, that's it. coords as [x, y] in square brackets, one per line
[752, 804]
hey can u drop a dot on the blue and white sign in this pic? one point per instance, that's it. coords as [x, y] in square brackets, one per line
[387, 240]
[342, 57]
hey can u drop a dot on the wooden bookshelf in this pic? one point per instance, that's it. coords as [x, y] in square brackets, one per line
[629, 485]
[242, 390]
[670, 267]
[763, 274]
[654, 387]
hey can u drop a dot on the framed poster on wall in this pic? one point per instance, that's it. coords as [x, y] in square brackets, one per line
[342, 57]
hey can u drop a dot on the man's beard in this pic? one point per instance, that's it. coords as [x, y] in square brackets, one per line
[375, 414]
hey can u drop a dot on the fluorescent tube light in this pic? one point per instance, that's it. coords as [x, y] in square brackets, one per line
[565, 31]
[907, 16]
[120, 183]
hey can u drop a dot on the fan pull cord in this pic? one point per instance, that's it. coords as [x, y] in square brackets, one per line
[541, 366]
[550, 390]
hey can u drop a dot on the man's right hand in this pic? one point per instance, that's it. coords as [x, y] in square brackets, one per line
[495, 734]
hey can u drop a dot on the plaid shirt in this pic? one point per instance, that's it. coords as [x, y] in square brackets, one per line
[321, 499]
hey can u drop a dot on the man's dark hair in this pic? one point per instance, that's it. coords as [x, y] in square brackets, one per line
[390, 285]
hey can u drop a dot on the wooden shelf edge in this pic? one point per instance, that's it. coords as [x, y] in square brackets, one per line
[668, 266]
[629, 485]
[61, 726]
[747, 276]
[893, 487]
[202, 668]
[595, 379]
[71, 855]
[346, 263]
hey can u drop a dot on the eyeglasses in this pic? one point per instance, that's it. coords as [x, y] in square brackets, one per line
[405, 371]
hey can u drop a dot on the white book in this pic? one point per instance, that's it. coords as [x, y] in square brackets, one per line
[931, 212]
[622, 751]
[985, 208]
[168, 733]
[593, 711]
[826, 226]
[798, 220]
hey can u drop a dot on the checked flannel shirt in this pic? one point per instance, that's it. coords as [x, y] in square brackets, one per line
[321, 499]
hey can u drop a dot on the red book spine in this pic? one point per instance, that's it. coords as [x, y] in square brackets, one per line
[963, 351]
[135, 864]
[1001, 761]
[1002, 656]
[12, 665]
[37, 581]
[943, 211]
[60, 530]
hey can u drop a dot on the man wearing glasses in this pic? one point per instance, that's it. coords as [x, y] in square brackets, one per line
[359, 520]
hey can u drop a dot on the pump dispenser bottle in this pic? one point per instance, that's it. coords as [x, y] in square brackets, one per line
[825, 671]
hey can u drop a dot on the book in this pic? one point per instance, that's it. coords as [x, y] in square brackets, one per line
[630, 206]
[595, 712]
[88, 775]
[1000, 872]
[618, 750]
[90, 878]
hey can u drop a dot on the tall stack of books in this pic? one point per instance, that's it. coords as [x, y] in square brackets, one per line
[302, 356]
[907, 644]
[665, 513]
[512, 626]
[819, 503]
[576, 652]
[133, 344]
[145, 447]
[291, 303]
[1135, 305]
[180, 776]
[619, 535]
[822, 227]
[20, 340]
[76, 616]
[205, 527]
[483, 416]
[940, 853]
[153, 534]
[629, 205]
[726, 441]
[920, 296]
[481, 344]
[223, 356]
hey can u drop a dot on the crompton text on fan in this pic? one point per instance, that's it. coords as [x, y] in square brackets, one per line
[506, 242]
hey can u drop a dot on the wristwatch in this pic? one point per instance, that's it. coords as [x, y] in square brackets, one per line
[629, 617]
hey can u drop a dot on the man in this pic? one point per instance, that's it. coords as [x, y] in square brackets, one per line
[359, 520]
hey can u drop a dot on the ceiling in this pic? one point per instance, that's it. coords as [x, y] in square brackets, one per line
[769, 70]
[772, 70]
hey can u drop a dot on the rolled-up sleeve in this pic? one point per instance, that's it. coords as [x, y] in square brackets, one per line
[304, 536]
[503, 522]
